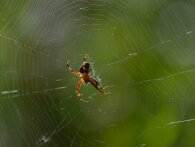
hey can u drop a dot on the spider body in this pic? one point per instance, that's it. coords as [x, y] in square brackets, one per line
[84, 70]
[85, 67]
[84, 73]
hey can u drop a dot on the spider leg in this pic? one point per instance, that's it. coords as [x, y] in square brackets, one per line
[96, 84]
[77, 74]
[78, 87]
[71, 70]
[85, 58]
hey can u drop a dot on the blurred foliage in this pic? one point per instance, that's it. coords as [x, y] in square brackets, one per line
[143, 51]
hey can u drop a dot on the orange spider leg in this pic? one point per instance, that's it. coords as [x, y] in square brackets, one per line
[77, 74]
[78, 87]
[95, 83]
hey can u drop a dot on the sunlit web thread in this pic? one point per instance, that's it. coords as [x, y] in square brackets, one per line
[131, 55]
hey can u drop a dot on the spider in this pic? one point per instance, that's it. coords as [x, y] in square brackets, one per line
[84, 73]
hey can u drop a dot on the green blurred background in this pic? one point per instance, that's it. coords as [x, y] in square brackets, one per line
[141, 50]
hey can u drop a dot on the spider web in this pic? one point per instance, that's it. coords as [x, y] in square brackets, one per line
[142, 52]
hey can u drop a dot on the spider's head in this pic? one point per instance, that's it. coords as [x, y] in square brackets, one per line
[85, 67]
